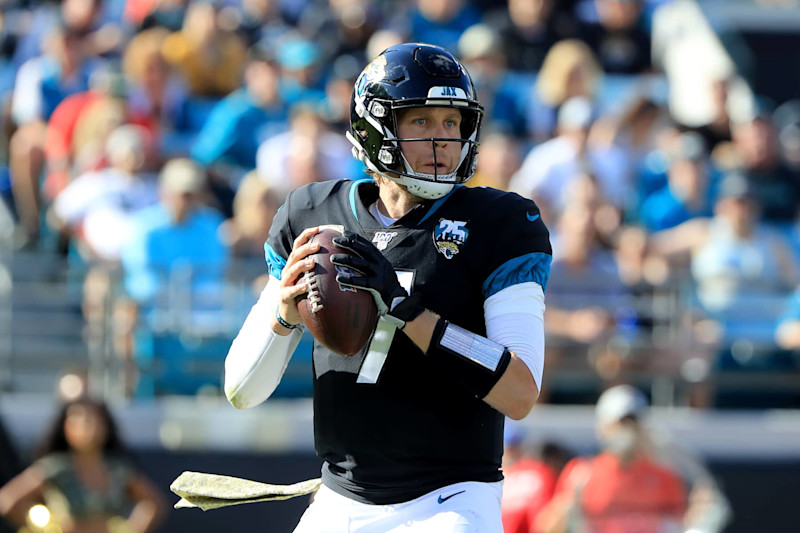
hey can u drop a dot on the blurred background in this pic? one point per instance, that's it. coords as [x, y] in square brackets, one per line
[145, 146]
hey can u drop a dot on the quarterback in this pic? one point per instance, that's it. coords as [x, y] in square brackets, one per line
[411, 429]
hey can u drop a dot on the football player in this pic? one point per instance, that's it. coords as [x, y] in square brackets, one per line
[410, 429]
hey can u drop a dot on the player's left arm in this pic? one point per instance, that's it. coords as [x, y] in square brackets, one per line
[514, 390]
[505, 369]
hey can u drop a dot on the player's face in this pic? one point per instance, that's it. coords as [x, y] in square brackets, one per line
[426, 123]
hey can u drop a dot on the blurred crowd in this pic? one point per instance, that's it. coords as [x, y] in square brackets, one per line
[160, 137]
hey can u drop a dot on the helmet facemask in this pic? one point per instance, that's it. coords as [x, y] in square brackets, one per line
[405, 77]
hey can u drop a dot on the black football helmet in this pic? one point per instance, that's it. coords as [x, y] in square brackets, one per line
[405, 76]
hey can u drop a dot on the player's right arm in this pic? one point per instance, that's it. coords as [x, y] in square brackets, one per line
[261, 351]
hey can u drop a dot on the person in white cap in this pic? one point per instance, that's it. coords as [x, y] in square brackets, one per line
[622, 488]
[639, 481]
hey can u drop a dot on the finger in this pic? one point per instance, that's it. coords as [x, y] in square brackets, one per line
[294, 291]
[304, 236]
[360, 247]
[356, 282]
[293, 272]
[303, 251]
[352, 262]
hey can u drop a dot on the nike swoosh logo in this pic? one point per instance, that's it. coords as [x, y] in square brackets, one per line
[532, 218]
[442, 500]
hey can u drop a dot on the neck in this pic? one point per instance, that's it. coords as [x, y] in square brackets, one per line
[394, 200]
[87, 456]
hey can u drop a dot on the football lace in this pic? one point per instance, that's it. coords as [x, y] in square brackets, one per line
[313, 292]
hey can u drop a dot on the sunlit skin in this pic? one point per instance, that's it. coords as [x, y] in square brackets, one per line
[430, 122]
[85, 429]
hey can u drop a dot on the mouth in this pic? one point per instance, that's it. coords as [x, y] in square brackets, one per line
[436, 168]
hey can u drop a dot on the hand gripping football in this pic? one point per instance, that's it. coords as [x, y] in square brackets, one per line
[340, 318]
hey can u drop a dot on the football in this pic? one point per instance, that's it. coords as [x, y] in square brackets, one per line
[340, 318]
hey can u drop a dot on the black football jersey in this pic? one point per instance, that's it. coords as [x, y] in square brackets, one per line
[394, 426]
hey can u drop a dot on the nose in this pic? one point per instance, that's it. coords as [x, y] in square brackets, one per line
[440, 132]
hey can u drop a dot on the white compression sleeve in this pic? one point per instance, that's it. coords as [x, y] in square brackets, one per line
[258, 356]
[515, 319]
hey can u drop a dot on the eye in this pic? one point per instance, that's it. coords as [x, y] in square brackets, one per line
[419, 121]
[450, 123]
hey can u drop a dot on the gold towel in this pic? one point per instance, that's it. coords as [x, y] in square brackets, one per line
[212, 491]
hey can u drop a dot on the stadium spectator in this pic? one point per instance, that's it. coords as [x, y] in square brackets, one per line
[301, 80]
[776, 187]
[67, 128]
[439, 22]
[624, 488]
[241, 121]
[619, 37]
[636, 129]
[176, 253]
[306, 153]
[585, 289]
[740, 268]
[528, 485]
[262, 20]
[689, 189]
[550, 167]
[504, 95]
[338, 89]
[210, 58]
[98, 207]
[570, 70]
[341, 27]
[254, 207]
[41, 84]
[731, 253]
[501, 156]
[85, 476]
[176, 234]
[158, 98]
[86, 17]
[529, 28]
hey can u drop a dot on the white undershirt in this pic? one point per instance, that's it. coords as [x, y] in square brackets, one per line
[384, 220]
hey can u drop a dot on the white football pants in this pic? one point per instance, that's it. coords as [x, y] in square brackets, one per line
[469, 507]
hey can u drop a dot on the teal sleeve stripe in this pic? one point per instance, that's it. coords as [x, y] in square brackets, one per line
[529, 267]
[275, 262]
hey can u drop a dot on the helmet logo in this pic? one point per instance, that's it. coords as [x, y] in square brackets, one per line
[449, 236]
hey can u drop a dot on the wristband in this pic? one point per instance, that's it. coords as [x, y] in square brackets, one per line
[282, 322]
[473, 360]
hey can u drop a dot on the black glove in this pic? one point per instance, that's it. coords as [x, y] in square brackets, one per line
[376, 276]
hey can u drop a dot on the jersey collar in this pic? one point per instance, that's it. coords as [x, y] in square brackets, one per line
[364, 193]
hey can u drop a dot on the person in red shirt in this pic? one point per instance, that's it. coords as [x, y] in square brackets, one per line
[530, 479]
[624, 489]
